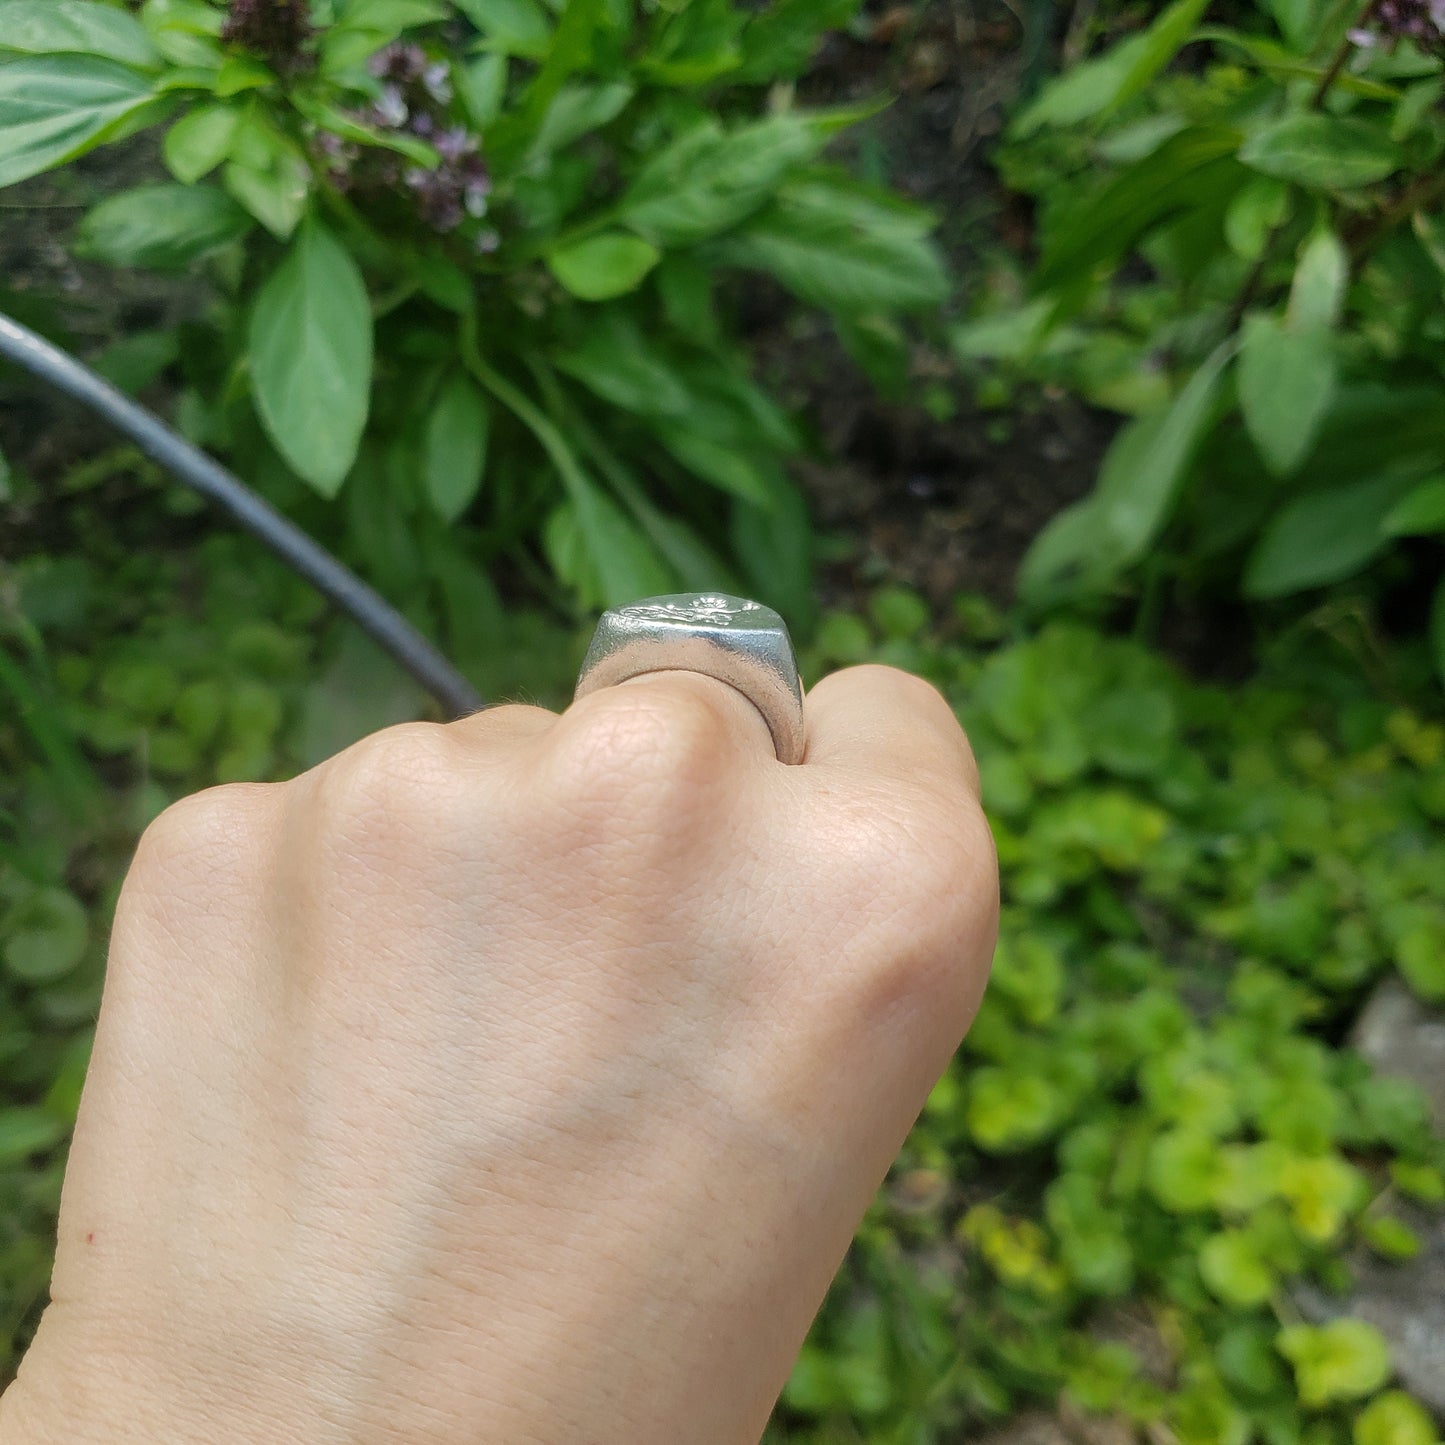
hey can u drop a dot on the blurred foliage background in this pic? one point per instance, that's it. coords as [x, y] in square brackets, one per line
[1087, 358]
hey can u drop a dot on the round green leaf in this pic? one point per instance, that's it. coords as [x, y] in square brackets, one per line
[454, 449]
[1343, 1360]
[1390, 1237]
[1324, 152]
[311, 345]
[46, 936]
[1420, 955]
[1394, 1418]
[164, 228]
[604, 266]
[1233, 1269]
[55, 107]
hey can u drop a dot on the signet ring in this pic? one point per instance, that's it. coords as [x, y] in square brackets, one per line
[741, 643]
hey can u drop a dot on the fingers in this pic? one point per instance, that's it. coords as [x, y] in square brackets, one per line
[502, 723]
[714, 715]
[878, 720]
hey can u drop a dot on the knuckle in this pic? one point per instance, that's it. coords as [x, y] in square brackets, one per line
[935, 874]
[197, 831]
[640, 751]
[390, 781]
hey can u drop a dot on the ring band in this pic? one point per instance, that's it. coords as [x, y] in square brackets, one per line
[741, 643]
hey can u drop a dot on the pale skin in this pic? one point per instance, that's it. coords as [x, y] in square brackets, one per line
[516, 1080]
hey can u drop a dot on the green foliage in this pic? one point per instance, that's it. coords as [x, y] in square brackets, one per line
[1146, 1117]
[1241, 253]
[1147, 1129]
[477, 259]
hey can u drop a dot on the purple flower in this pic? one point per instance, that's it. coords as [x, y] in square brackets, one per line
[389, 108]
[1422, 21]
[437, 79]
[401, 64]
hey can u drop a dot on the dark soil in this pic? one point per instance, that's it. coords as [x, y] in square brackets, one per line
[945, 504]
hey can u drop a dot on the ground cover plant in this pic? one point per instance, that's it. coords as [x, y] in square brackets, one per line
[1241, 220]
[467, 261]
[1151, 1116]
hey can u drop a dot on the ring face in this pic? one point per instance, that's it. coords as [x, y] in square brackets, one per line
[741, 643]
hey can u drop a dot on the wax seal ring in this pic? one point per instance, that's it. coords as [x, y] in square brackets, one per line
[741, 643]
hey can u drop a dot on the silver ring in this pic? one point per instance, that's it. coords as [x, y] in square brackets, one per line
[741, 643]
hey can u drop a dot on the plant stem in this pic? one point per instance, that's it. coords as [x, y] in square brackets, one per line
[1417, 196]
[525, 410]
[1253, 281]
[1342, 56]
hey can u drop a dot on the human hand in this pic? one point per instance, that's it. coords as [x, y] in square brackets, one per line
[516, 1080]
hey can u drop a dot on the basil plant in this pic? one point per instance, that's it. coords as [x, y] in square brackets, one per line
[475, 265]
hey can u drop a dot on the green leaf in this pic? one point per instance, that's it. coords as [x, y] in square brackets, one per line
[1344, 1360]
[1298, 21]
[1253, 214]
[56, 107]
[603, 266]
[1185, 169]
[186, 32]
[778, 41]
[482, 88]
[1430, 232]
[844, 247]
[1321, 537]
[1390, 1237]
[1082, 91]
[364, 26]
[1317, 293]
[311, 342]
[454, 448]
[593, 546]
[1183, 1169]
[198, 142]
[1394, 1418]
[240, 73]
[1420, 954]
[268, 175]
[1139, 483]
[27, 1131]
[1162, 41]
[341, 123]
[46, 936]
[1419, 512]
[724, 465]
[76, 27]
[575, 111]
[775, 544]
[1286, 383]
[1323, 152]
[164, 227]
[1011, 1109]
[1232, 1267]
[709, 179]
[616, 360]
[513, 27]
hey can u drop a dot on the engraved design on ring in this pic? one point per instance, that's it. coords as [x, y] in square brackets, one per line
[739, 642]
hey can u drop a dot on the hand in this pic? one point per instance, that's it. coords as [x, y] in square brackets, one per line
[518, 1080]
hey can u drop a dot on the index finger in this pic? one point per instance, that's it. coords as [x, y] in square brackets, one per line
[880, 720]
